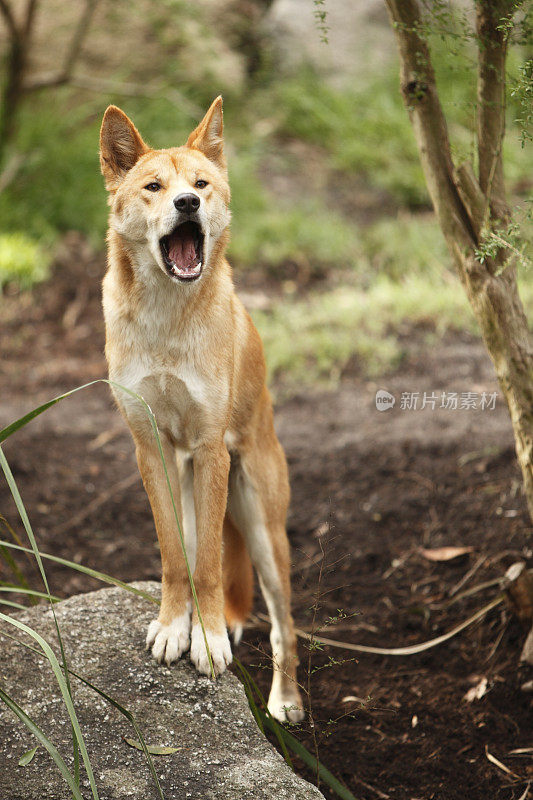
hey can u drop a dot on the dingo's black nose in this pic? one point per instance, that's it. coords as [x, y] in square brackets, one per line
[188, 203]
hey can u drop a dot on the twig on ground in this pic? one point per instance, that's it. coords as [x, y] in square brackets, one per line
[498, 641]
[75, 307]
[371, 788]
[479, 587]
[494, 760]
[526, 792]
[410, 650]
[467, 576]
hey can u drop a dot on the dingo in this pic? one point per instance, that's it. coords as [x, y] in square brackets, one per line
[177, 334]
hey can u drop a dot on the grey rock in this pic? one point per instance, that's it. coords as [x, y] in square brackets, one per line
[222, 754]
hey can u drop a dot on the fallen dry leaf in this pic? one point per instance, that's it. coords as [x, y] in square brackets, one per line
[445, 553]
[27, 757]
[154, 750]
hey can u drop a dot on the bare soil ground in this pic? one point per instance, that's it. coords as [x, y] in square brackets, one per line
[370, 491]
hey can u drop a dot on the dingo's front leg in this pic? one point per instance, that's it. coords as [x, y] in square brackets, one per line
[169, 634]
[211, 469]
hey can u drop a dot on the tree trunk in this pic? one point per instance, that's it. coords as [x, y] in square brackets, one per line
[466, 208]
[17, 60]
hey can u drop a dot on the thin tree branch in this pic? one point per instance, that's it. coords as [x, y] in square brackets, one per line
[472, 196]
[7, 13]
[128, 89]
[15, 69]
[420, 95]
[79, 36]
[30, 14]
[493, 20]
[65, 73]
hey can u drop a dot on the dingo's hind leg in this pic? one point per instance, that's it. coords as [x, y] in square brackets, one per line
[257, 503]
[238, 578]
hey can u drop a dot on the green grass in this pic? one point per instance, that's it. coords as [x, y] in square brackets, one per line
[362, 131]
[23, 260]
[405, 245]
[309, 342]
[268, 232]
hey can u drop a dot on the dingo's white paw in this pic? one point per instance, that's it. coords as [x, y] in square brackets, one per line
[169, 642]
[286, 707]
[219, 647]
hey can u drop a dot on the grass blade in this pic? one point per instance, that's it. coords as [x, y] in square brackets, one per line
[298, 748]
[286, 739]
[12, 604]
[44, 740]
[65, 691]
[14, 567]
[129, 716]
[250, 697]
[93, 573]
[6, 587]
[124, 711]
[250, 686]
[27, 526]
[19, 423]
[8, 558]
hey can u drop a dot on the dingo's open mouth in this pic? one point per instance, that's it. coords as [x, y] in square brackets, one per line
[183, 251]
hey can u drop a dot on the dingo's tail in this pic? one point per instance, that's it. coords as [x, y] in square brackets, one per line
[238, 579]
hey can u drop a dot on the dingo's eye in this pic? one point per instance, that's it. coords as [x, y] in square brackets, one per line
[200, 184]
[153, 187]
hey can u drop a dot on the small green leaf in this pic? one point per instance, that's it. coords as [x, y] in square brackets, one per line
[27, 757]
[154, 750]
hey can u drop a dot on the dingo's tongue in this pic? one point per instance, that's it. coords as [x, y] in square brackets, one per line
[181, 246]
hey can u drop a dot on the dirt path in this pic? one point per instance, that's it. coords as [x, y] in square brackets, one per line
[370, 489]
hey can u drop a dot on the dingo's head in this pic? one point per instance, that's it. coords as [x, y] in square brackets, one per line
[170, 204]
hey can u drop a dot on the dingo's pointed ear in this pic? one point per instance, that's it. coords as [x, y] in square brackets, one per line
[121, 146]
[207, 137]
